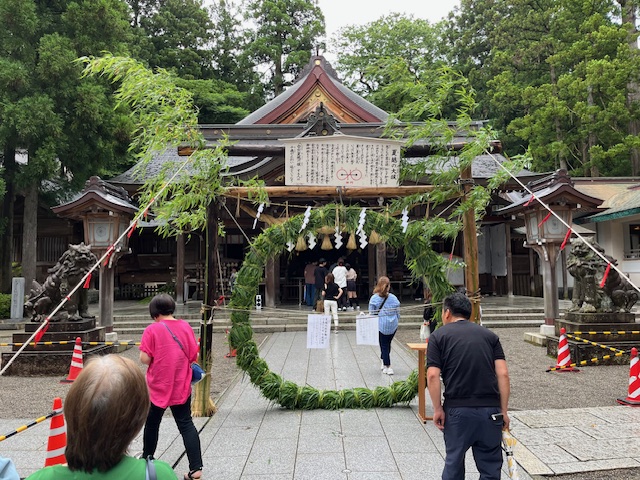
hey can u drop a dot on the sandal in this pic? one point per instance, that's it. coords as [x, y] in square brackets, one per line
[189, 476]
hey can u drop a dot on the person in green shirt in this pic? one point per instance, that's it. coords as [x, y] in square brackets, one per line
[105, 409]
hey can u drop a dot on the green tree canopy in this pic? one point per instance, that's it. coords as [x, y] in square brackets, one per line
[174, 35]
[284, 35]
[69, 127]
[383, 59]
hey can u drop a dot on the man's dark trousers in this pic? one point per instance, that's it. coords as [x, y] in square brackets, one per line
[473, 427]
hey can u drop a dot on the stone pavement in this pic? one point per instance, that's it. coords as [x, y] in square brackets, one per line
[249, 438]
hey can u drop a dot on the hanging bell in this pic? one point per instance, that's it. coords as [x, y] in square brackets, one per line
[301, 245]
[326, 243]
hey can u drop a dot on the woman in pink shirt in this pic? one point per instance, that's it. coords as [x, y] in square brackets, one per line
[169, 347]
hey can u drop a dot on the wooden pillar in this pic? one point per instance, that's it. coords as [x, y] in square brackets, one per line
[105, 298]
[472, 278]
[270, 280]
[507, 234]
[565, 283]
[371, 262]
[180, 294]
[532, 273]
[381, 260]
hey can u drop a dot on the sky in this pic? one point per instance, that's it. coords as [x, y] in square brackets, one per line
[340, 13]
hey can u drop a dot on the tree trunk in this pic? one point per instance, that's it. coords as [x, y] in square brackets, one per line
[591, 140]
[6, 232]
[278, 76]
[30, 235]
[629, 17]
[561, 162]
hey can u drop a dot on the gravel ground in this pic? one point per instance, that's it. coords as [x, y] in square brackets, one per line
[532, 388]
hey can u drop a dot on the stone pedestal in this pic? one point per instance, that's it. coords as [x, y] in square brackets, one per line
[55, 359]
[597, 322]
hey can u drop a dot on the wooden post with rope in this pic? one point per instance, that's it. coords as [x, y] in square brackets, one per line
[472, 279]
[203, 405]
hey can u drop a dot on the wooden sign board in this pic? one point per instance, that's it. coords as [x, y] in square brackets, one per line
[342, 161]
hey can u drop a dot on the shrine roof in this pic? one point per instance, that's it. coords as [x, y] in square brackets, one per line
[624, 204]
[318, 82]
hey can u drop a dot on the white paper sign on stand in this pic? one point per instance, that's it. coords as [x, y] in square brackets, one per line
[367, 330]
[318, 331]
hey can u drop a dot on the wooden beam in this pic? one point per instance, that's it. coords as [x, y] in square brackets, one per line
[319, 192]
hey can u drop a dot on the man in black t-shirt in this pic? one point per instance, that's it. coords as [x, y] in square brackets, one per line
[474, 371]
[319, 274]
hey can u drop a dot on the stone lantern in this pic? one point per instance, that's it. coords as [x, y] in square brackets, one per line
[106, 211]
[546, 232]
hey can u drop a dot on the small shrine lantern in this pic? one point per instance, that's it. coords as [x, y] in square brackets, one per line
[545, 231]
[106, 211]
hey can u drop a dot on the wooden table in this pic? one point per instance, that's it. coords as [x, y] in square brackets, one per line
[422, 379]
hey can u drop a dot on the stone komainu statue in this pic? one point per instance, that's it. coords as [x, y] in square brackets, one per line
[63, 277]
[588, 269]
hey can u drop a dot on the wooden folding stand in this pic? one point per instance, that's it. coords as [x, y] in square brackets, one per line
[422, 379]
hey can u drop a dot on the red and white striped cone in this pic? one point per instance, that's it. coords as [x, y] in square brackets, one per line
[633, 398]
[76, 362]
[57, 443]
[564, 355]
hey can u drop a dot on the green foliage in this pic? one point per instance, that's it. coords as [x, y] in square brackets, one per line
[5, 305]
[284, 34]
[217, 101]
[558, 78]
[68, 125]
[174, 35]
[384, 59]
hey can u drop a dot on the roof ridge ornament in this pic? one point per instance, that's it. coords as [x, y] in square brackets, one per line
[320, 123]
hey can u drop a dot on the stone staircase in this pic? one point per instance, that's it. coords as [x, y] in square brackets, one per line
[293, 318]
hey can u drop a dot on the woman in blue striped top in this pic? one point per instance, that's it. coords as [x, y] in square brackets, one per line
[387, 306]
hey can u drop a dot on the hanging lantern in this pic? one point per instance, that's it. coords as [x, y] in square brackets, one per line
[301, 245]
[351, 244]
[374, 238]
[326, 243]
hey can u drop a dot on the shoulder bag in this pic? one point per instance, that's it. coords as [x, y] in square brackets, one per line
[197, 373]
[381, 305]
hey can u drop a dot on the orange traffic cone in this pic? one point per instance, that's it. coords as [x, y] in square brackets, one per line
[57, 437]
[564, 355]
[633, 399]
[76, 362]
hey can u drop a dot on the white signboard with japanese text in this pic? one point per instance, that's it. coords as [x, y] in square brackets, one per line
[342, 161]
[318, 331]
[367, 330]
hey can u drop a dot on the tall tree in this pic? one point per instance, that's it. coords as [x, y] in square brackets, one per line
[69, 126]
[284, 35]
[383, 59]
[174, 35]
[554, 78]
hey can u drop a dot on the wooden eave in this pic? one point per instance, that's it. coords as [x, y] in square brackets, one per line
[78, 208]
[563, 190]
